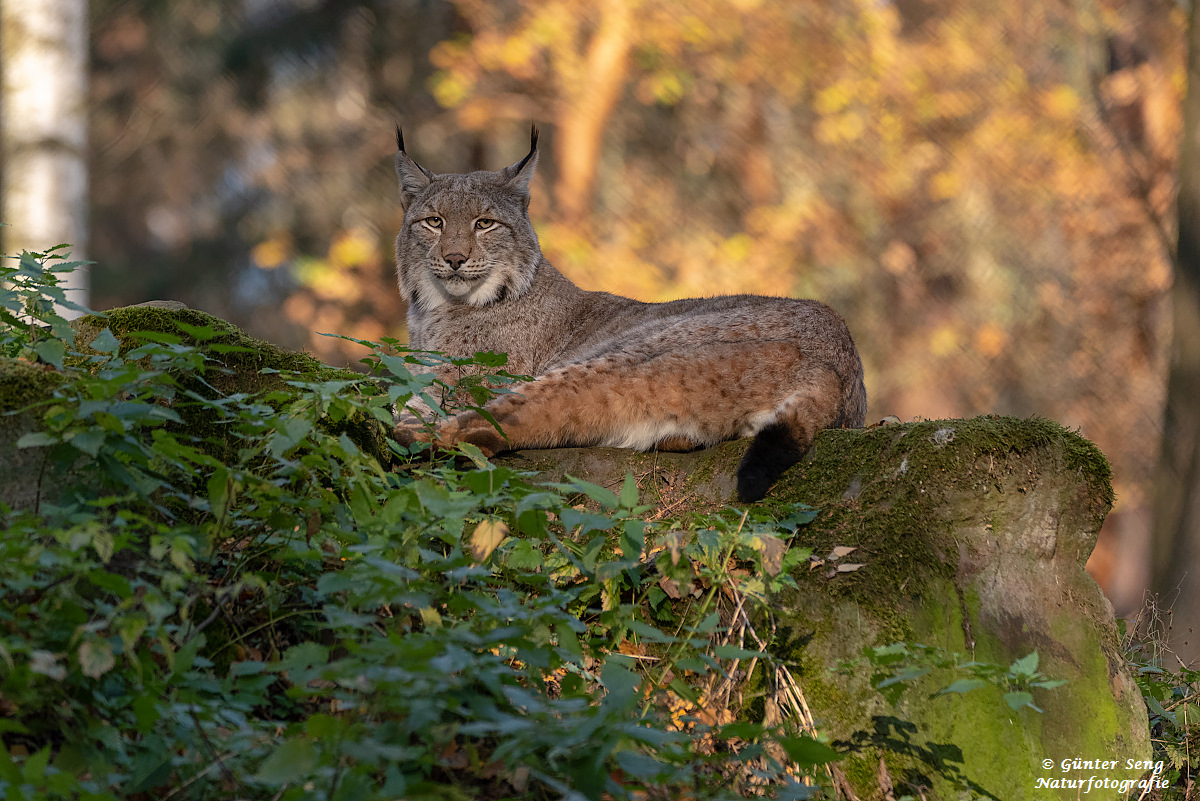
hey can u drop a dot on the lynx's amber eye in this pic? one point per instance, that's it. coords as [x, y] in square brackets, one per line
[484, 223]
[433, 222]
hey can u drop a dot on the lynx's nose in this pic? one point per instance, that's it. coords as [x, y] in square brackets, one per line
[454, 260]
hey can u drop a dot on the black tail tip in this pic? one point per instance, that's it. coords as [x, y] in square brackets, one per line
[772, 452]
[752, 486]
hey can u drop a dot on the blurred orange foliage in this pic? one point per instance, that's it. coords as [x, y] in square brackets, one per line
[984, 190]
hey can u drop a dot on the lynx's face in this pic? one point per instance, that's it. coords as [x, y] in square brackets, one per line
[466, 238]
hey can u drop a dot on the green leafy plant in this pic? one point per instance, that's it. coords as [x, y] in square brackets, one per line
[899, 664]
[1171, 692]
[30, 296]
[227, 594]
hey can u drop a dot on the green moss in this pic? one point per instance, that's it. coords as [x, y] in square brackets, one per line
[884, 490]
[23, 383]
[256, 366]
[246, 368]
[940, 512]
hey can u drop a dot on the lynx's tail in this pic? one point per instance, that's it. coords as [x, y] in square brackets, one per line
[828, 400]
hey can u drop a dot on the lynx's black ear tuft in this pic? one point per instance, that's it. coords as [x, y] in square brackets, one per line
[520, 175]
[413, 177]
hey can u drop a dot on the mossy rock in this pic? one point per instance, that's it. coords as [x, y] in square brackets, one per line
[22, 384]
[238, 363]
[256, 368]
[973, 535]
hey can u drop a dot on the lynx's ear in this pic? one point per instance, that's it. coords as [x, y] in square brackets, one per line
[518, 176]
[413, 177]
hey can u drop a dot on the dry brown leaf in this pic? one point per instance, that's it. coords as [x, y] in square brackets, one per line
[670, 586]
[453, 757]
[772, 549]
[518, 777]
[631, 649]
[486, 538]
[848, 567]
[841, 550]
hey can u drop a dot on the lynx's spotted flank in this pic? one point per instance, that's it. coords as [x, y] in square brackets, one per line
[609, 370]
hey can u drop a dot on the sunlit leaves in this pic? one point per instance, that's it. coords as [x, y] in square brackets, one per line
[95, 658]
[487, 537]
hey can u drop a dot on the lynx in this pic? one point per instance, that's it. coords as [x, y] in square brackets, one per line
[609, 370]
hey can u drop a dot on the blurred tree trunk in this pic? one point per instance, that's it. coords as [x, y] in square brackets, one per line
[594, 83]
[44, 120]
[1175, 575]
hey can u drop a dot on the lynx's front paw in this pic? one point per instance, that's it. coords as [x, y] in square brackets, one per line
[409, 430]
[449, 433]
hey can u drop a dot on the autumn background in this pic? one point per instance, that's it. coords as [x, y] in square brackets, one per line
[987, 191]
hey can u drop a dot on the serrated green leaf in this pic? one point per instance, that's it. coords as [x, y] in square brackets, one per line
[633, 540]
[621, 684]
[586, 522]
[734, 652]
[8, 769]
[649, 633]
[218, 490]
[523, 556]
[1019, 699]
[287, 764]
[36, 439]
[34, 769]
[200, 333]
[473, 453]
[51, 351]
[708, 624]
[145, 713]
[105, 342]
[629, 491]
[641, 766]
[605, 497]
[961, 686]
[89, 441]
[804, 750]
[743, 730]
[1025, 666]
[684, 691]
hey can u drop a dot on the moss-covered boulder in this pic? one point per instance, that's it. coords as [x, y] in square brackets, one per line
[973, 536]
[22, 384]
[236, 363]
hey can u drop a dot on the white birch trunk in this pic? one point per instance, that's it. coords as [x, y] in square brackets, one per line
[44, 54]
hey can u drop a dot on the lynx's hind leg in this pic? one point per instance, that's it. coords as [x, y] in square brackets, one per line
[787, 437]
[676, 445]
[630, 399]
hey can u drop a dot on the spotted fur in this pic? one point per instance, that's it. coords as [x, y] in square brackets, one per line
[610, 370]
